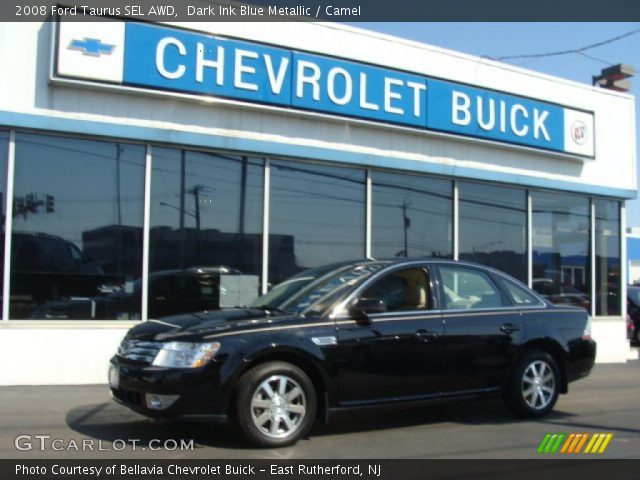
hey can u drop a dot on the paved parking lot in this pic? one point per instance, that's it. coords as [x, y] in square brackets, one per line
[607, 401]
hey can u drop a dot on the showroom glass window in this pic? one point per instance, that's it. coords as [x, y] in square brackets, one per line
[206, 225]
[412, 216]
[4, 150]
[77, 229]
[607, 257]
[561, 260]
[493, 222]
[317, 216]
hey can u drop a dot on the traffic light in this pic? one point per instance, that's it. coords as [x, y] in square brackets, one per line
[31, 203]
[50, 204]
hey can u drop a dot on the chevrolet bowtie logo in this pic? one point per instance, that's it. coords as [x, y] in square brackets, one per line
[91, 46]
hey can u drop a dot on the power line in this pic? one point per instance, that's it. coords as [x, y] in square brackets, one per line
[573, 50]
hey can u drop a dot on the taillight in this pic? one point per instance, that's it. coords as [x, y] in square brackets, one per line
[586, 333]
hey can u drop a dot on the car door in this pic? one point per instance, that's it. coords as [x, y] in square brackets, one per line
[481, 328]
[393, 354]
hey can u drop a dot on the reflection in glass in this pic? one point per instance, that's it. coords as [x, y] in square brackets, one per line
[411, 216]
[77, 228]
[317, 216]
[4, 150]
[561, 266]
[206, 222]
[607, 257]
[493, 227]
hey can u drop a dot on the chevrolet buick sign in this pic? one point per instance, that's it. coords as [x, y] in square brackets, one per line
[158, 58]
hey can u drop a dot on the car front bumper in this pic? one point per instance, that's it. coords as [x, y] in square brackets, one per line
[191, 392]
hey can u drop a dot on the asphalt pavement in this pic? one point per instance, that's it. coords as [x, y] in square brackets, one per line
[83, 422]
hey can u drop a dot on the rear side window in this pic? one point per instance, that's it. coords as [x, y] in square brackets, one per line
[519, 295]
[469, 289]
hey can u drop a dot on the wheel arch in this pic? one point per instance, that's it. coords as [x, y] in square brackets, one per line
[294, 357]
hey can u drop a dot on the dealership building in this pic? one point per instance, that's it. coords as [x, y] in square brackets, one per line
[134, 153]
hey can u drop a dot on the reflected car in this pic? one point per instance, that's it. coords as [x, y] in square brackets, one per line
[47, 267]
[356, 334]
[633, 314]
[561, 293]
[171, 292]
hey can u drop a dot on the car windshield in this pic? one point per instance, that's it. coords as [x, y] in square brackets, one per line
[634, 295]
[314, 291]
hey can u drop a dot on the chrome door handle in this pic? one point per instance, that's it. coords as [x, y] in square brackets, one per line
[509, 328]
[425, 335]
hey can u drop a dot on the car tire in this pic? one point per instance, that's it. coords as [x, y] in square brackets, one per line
[275, 404]
[533, 386]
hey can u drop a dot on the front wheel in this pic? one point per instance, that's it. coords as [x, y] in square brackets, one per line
[276, 404]
[533, 387]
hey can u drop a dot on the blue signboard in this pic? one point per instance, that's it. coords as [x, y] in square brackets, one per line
[166, 59]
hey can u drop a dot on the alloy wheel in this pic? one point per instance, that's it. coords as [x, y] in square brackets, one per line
[278, 406]
[538, 384]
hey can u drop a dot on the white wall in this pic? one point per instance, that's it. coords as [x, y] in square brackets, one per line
[56, 355]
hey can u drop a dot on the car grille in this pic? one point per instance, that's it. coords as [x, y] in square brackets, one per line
[138, 350]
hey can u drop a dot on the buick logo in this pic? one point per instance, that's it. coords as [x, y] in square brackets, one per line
[579, 132]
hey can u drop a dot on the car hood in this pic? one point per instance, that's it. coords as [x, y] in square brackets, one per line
[194, 326]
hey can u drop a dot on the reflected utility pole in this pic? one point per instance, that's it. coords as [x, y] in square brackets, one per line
[407, 223]
[182, 234]
[195, 191]
[242, 212]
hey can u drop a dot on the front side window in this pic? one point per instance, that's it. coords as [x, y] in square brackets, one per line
[468, 289]
[77, 228]
[403, 290]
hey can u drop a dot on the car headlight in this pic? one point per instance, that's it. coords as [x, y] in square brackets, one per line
[185, 354]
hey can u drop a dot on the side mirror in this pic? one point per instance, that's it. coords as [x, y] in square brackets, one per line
[363, 307]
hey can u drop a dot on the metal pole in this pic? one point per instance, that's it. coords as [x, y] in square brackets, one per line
[8, 227]
[456, 211]
[264, 285]
[145, 235]
[368, 216]
[529, 239]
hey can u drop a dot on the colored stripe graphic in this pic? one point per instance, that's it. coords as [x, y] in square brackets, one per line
[598, 443]
[550, 443]
[573, 443]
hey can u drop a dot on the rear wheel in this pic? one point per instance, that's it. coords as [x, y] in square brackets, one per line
[276, 404]
[534, 385]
